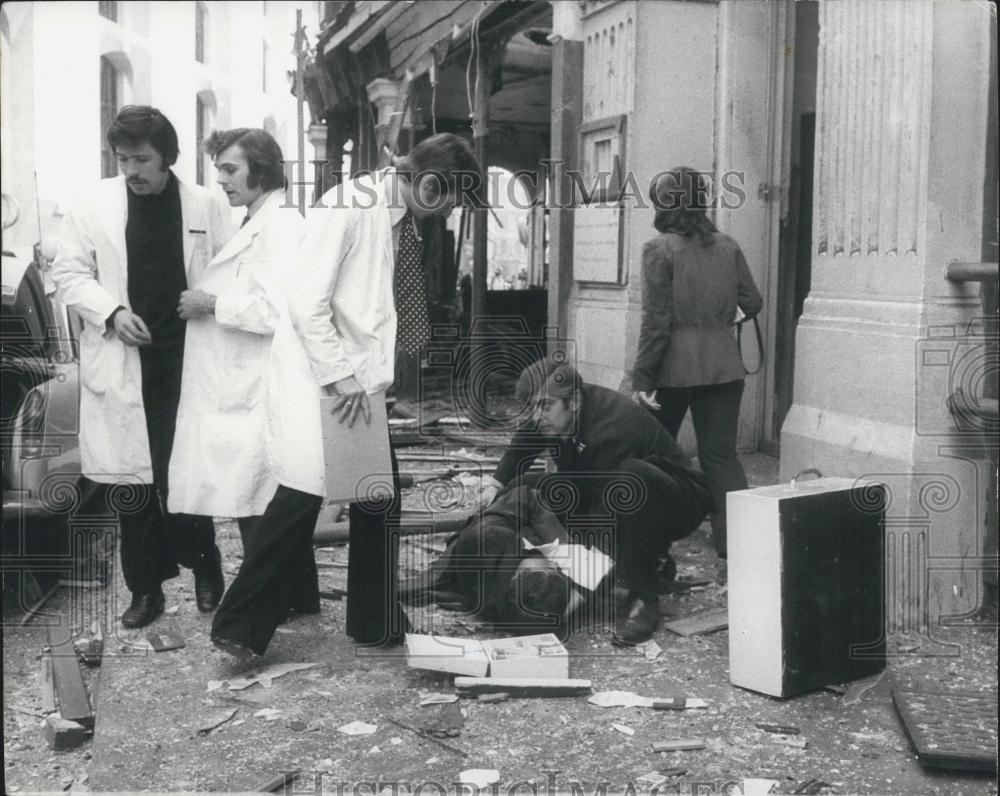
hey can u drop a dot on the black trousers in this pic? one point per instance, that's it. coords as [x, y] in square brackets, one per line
[633, 512]
[715, 413]
[278, 573]
[153, 542]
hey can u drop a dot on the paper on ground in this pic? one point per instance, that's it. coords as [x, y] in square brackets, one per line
[624, 729]
[263, 676]
[585, 566]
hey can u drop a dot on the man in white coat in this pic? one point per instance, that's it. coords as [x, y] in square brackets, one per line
[219, 467]
[123, 260]
[360, 266]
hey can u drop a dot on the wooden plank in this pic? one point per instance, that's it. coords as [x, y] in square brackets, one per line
[48, 690]
[678, 745]
[699, 624]
[74, 704]
[521, 686]
[366, 11]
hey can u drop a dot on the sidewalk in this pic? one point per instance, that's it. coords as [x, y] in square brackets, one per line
[149, 707]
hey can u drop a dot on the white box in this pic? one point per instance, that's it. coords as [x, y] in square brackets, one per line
[521, 656]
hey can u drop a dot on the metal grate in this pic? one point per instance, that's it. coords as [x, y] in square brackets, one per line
[951, 730]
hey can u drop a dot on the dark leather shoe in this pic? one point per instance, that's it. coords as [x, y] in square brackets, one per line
[143, 610]
[639, 623]
[239, 651]
[209, 584]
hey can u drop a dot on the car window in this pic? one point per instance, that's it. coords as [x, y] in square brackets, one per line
[26, 328]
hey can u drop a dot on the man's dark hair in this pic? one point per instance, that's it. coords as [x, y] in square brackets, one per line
[681, 198]
[259, 148]
[138, 124]
[449, 160]
[551, 376]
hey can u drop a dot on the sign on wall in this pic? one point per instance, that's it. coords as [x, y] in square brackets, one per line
[597, 243]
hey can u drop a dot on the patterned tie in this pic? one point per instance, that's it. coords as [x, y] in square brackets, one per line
[414, 326]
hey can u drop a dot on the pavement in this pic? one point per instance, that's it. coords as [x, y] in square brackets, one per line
[171, 721]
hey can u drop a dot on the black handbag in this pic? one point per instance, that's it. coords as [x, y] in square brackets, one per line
[760, 344]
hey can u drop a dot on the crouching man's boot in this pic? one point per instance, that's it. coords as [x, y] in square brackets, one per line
[209, 582]
[642, 615]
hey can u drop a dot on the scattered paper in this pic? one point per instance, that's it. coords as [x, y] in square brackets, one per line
[215, 685]
[624, 729]
[585, 566]
[628, 699]
[172, 610]
[358, 728]
[479, 777]
[438, 699]
[758, 787]
[265, 675]
[650, 649]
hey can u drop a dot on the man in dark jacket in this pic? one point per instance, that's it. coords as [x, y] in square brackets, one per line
[621, 481]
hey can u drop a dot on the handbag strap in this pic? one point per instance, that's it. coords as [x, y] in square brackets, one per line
[760, 345]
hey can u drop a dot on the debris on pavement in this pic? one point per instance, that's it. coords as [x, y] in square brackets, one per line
[217, 720]
[624, 729]
[62, 734]
[263, 676]
[457, 750]
[790, 740]
[269, 714]
[758, 787]
[678, 745]
[358, 728]
[812, 787]
[500, 696]
[90, 650]
[447, 723]
[860, 688]
[47, 686]
[701, 623]
[479, 777]
[163, 641]
[778, 729]
[172, 610]
[628, 699]
[652, 778]
[74, 703]
[437, 699]
[521, 687]
[279, 782]
[649, 649]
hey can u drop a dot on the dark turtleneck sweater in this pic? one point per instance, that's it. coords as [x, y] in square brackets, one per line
[154, 243]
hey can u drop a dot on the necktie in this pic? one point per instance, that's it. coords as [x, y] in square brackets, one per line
[246, 218]
[414, 326]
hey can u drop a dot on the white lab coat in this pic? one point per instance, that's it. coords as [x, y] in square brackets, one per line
[91, 275]
[218, 466]
[340, 321]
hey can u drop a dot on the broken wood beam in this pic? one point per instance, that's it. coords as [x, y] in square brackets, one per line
[521, 686]
[74, 704]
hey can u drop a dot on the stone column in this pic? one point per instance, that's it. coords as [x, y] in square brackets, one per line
[884, 339]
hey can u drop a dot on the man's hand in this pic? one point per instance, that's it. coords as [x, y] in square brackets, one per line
[351, 399]
[647, 399]
[195, 303]
[131, 329]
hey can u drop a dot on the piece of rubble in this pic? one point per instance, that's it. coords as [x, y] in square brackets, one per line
[358, 728]
[216, 720]
[778, 729]
[500, 696]
[437, 699]
[649, 649]
[678, 745]
[164, 642]
[653, 778]
[270, 714]
[63, 734]
[628, 699]
[624, 729]
[265, 675]
[790, 740]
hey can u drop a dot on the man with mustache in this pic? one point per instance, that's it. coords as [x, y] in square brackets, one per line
[123, 261]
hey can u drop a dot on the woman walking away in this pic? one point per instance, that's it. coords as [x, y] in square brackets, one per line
[694, 279]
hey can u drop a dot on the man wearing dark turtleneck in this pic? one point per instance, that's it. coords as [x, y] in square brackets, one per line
[127, 290]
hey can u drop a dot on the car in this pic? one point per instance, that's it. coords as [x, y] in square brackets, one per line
[39, 422]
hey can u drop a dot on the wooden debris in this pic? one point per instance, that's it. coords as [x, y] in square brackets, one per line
[61, 733]
[678, 745]
[779, 729]
[699, 624]
[33, 611]
[217, 720]
[499, 696]
[74, 705]
[443, 744]
[48, 689]
[521, 686]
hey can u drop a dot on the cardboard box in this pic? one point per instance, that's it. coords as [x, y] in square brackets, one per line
[539, 656]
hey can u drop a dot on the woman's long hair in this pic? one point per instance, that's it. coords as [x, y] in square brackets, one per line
[681, 197]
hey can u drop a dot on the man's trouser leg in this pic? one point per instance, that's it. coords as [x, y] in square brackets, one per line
[191, 537]
[257, 600]
[650, 510]
[374, 615]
